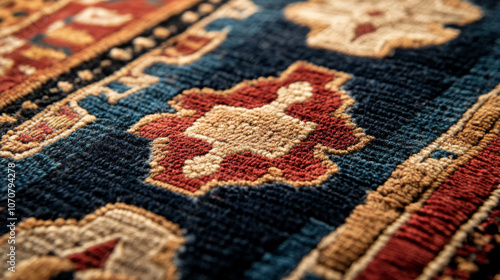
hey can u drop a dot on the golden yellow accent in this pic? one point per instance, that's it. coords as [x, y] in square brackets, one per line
[86, 75]
[28, 105]
[5, 65]
[469, 267]
[65, 86]
[37, 53]
[71, 35]
[206, 8]
[9, 44]
[120, 54]
[143, 43]
[235, 9]
[106, 63]
[161, 32]
[26, 69]
[4, 118]
[190, 17]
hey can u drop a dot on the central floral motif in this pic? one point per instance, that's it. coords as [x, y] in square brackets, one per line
[235, 130]
[274, 129]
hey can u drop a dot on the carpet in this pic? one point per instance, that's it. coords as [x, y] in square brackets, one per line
[250, 139]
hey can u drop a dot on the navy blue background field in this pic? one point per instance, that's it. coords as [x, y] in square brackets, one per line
[404, 101]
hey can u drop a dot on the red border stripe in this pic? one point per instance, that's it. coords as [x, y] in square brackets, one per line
[420, 240]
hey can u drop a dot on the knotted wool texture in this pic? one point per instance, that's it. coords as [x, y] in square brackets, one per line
[249, 139]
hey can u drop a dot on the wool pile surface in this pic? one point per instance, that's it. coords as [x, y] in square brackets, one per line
[250, 139]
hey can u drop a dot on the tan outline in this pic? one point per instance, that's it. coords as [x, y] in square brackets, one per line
[31, 223]
[370, 225]
[12, 148]
[319, 151]
[4, 118]
[163, 257]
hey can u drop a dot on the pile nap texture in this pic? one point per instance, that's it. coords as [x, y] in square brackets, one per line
[250, 139]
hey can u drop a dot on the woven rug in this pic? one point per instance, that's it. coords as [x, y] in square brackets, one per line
[250, 139]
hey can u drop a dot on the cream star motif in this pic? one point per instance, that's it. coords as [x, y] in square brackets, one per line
[374, 28]
[101, 16]
[272, 129]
